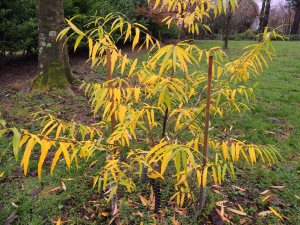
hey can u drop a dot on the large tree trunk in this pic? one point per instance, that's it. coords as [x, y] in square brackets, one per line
[227, 27]
[266, 15]
[54, 66]
[295, 26]
[262, 13]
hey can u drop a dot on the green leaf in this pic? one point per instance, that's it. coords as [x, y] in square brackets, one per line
[16, 141]
[112, 193]
[78, 40]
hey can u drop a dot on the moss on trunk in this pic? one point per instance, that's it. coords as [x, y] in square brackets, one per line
[54, 75]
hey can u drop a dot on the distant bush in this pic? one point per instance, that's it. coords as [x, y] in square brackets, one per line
[293, 37]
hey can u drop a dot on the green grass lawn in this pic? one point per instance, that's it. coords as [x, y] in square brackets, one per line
[275, 120]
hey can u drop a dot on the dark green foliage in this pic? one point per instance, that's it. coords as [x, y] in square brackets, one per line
[18, 27]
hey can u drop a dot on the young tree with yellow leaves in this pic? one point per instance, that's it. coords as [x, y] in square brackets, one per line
[158, 110]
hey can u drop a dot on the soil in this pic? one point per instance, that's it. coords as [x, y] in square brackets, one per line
[20, 71]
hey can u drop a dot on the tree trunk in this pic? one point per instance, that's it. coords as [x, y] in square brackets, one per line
[54, 66]
[295, 26]
[266, 15]
[227, 27]
[262, 13]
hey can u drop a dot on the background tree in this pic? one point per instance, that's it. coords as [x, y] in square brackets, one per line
[18, 27]
[266, 14]
[295, 26]
[54, 68]
[281, 17]
[262, 13]
[235, 21]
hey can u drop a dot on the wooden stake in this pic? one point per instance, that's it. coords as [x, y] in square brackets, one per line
[206, 131]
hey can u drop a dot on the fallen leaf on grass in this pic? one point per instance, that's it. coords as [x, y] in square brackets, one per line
[67, 179]
[237, 212]
[58, 222]
[264, 213]
[221, 203]
[241, 208]
[174, 221]
[264, 192]
[180, 211]
[1, 174]
[222, 216]
[265, 198]
[238, 188]
[297, 196]
[105, 214]
[216, 191]
[276, 213]
[143, 200]
[92, 164]
[54, 189]
[281, 188]
[63, 186]
[14, 204]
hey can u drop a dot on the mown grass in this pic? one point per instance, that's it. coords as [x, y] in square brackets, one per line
[275, 120]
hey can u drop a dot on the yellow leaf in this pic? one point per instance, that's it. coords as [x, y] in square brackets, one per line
[122, 112]
[136, 38]
[23, 140]
[128, 32]
[90, 40]
[45, 146]
[225, 150]
[58, 222]
[132, 67]
[78, 40]
[67, 157]
[47, 125]
[204, 177]
[276, 213]
[265, 198]
[74, 27]
[105, 214]
[143, 200]
[237, 212]
[136, 94]
[199, 178]
[62, 147]
[165, 161]
[25, 161]
[62, 33]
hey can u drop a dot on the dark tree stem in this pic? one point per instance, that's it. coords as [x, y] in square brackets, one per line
[206, 131]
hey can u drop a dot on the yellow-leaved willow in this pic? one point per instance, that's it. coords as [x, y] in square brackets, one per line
[158, 106]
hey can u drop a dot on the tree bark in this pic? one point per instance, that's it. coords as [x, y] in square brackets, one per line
[266, 15]
[54, 66]
[295, 26]
[262, 13]
[226, 31]
[227, 27]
